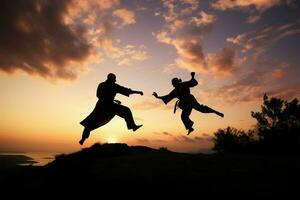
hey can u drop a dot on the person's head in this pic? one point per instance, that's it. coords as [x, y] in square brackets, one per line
[111, 78]
[176, 82]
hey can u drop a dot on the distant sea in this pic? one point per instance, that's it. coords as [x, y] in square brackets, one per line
[36, 158]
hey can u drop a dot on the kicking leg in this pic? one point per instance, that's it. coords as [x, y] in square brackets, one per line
[125, 113]
[85, 135]
[206, 109]
[185, 117]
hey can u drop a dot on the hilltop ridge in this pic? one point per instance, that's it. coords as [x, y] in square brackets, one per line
[103, 167]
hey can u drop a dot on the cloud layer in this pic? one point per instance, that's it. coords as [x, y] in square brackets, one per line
[34, 38]
[186, 32]
[242, 4]
[58, 39]
[185, 26]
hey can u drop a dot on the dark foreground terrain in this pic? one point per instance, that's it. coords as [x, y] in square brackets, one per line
[117, 168]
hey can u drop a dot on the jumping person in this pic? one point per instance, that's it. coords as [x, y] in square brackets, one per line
[106, 107]
[187, 102]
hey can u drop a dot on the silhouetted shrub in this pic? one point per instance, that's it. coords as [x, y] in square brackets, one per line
[164, 149]
[232, 140]
[277, 130]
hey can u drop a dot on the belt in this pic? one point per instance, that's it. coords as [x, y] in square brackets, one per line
[176, 106]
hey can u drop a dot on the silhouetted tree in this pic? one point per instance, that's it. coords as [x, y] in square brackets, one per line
[232, 140]
[277, 130]
[278, 125]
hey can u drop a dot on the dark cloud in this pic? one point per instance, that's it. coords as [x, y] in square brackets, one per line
[167, 133]
[191, 54]
[225, 62]
[35, 38]
[163, 133]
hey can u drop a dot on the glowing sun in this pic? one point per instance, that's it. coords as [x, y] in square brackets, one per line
[111, 140]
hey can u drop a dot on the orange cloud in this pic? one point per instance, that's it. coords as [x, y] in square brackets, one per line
[171, 14]
[177, 24]
[105, 4]
[186, 33]
[237, 39]
[190, 6]
[188, 44]
[242, 4]
[248, 5]
[122, 55]
[204, 19]
[163, 37]
[127, 16]
[189, 50]
[178, 9]
[277, 73]
[79, 9]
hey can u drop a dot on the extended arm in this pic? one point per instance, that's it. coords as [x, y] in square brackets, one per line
[137, 92]
[193, 75]
[191, 83]
[127, 91]
[156, 95]
[165, 98]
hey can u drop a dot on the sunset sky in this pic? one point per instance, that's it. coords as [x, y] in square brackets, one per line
[53, 55]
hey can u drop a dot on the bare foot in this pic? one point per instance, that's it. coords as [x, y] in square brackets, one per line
[81, 141]
[136, 127]
[190, 130]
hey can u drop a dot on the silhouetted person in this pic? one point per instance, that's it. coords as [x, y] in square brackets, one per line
[106, 107]
[186, 101]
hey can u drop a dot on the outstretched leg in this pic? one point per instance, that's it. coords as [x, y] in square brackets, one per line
[206, 109]
[85, 135]
[125, 113]
[185, 117]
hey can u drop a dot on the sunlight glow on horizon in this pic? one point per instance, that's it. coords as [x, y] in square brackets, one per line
[47, 89]
[112, 140]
